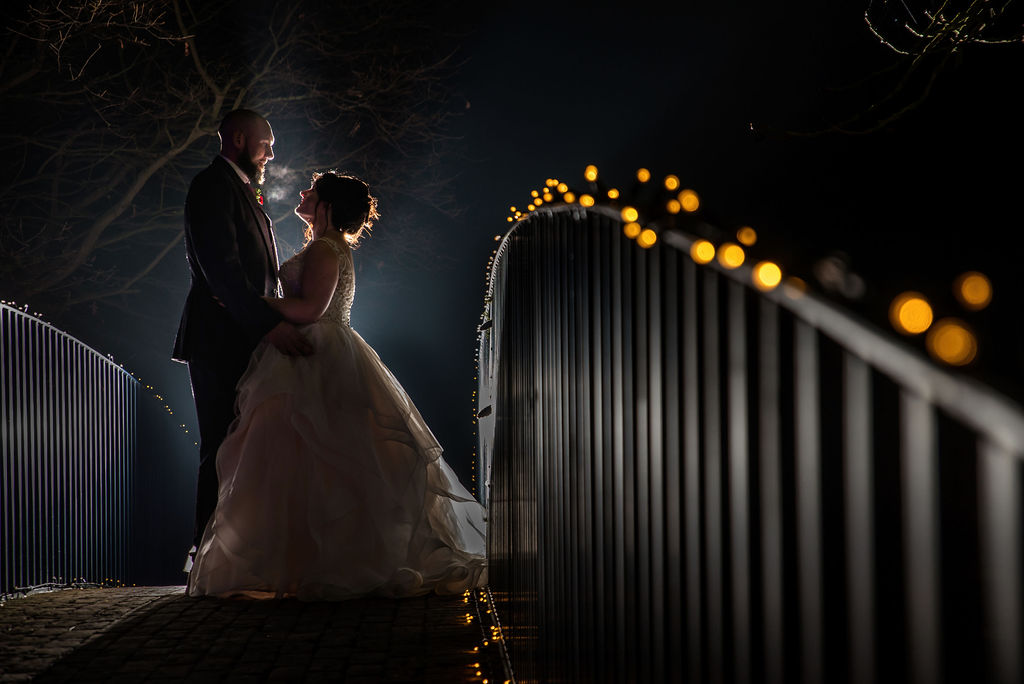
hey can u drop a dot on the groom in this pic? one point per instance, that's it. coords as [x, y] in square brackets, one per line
[232, 258]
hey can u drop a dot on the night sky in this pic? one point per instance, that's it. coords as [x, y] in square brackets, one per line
[716, 97]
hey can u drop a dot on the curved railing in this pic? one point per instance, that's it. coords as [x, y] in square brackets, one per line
[68, 423]
[690, 479]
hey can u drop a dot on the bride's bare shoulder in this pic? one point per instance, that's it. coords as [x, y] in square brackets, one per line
[335, 244]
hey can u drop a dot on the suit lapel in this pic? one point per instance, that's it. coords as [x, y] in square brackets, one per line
[264, 223]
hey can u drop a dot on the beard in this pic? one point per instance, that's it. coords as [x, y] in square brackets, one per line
[249, 168]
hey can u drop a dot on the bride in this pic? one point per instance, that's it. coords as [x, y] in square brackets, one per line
[331, 484]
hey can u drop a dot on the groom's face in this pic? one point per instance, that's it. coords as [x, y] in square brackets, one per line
[257, 151]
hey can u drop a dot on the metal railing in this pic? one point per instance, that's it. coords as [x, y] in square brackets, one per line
[692, 480]
[68, 427]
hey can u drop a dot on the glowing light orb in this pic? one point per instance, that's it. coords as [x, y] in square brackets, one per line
[613, 193]
[795, 287]
[910, 313]
[551, 182]
[538, 201]
[951, 342]
[512, 209]
[629, 214]
[702, 251]
[643, 175]
[534, 193]
[510, 219]
[746, 235]
[647, 238]
[671, 182]
[631, 230]
[767, 276]
[530, 207]
[590, 173]
[688, 198]
[563, 188]
[974, 290]
[673, 206]
[731, 255]
[569, 198]
[586, 200]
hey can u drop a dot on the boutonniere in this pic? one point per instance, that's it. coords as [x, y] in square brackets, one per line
[259, 196]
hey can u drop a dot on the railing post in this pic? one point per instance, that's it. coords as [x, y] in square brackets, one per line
[808, 502]
[921, 543]
[691, 464]
[860, 522]
[739, 483]
[999, 519]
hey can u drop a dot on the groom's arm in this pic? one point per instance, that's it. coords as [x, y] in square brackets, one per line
[214, 239]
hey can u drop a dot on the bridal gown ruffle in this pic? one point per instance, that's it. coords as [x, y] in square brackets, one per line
[331, 484]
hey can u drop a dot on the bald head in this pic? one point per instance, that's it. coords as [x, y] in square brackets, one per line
[243, 121]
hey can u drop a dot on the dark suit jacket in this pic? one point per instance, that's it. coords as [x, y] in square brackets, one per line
[229, 244]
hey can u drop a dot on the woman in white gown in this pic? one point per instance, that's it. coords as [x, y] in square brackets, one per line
[331, 484]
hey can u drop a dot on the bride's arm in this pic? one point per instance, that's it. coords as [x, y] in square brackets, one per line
[319, 279]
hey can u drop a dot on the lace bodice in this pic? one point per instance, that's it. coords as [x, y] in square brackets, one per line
[340, 309]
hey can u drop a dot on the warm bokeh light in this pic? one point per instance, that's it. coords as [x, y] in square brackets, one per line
[673, 206]
[910, 313]
[551, 182]
[538, 201]
[569, 198]
[671, 182]
[497, 237]
[629, 214]
[746, 235]
[613, 193]
[562, 187]
[688, 198]
[731, 255]
[530, 207]
[534, 193]
[950, 341]
[631, 230]
[510, 219]
[767, 275]
[702, 251]
[586, 200]
[512, 209]
[794, 287]
[974, 290]
[643, 175]
[591, 173]
[647, 238]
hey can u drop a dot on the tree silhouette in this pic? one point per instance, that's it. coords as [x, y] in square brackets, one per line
[110, 107]
[923, 39]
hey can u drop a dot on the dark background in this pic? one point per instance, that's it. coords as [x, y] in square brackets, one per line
[728, 99]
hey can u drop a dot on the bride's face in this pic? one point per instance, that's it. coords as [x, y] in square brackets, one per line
[307, 207]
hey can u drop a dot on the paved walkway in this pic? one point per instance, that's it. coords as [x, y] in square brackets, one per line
[157, 634]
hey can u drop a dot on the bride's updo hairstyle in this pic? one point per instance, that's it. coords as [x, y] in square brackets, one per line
[353, 208]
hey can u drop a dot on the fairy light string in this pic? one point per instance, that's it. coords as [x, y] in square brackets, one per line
[649, 206]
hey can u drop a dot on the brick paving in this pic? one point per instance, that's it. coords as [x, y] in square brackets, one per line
[157, 634]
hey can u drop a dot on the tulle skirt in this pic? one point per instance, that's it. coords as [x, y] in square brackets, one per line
[332, 486]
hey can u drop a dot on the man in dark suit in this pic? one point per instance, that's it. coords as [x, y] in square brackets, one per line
[232, 258]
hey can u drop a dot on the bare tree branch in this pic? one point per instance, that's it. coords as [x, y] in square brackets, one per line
[114, 106]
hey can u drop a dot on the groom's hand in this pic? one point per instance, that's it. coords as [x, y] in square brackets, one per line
[288, 340]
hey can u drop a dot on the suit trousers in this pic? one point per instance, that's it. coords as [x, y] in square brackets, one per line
[214, 378]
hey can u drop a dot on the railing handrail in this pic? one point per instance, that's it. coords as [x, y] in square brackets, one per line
[38, 321]
[977, 405]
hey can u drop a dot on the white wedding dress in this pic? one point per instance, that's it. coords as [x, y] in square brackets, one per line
[331, 484]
